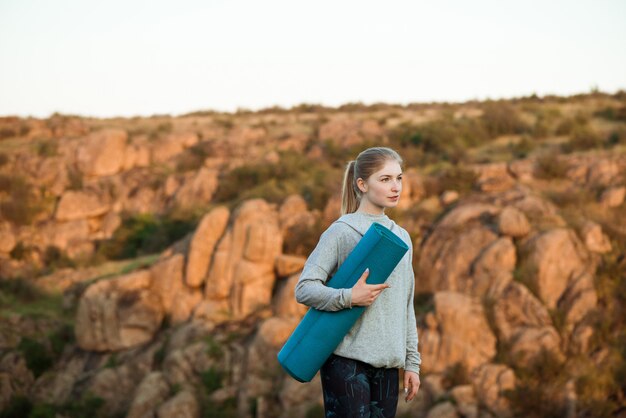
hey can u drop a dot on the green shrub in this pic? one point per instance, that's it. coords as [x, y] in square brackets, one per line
[226, 409]
[144, 234]
[47, 148]
[21, 204]
[36, 354]
[583, 138]
[539, 387]
[211, 379]
[214, 349]
[20, 289]
[315, 411]
[19, 407]
[502, 119]
[88, 406]
[550, 166]
[54, 258]
[523, 147]
[454, 178]
[193, 157]
[617, 114]
[435, 141]
[294, 173]
[569, 124]
[61, 337]
[455, 375]
[617, 137]
[75, 179]
[301, 239]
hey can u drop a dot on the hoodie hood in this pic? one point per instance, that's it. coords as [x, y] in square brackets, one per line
[361, 222]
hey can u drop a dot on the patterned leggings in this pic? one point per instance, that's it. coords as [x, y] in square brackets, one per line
[353, 388]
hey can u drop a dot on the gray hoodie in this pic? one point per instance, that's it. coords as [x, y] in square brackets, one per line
[386, 334]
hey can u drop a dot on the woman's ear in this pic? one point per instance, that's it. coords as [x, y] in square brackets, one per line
[361, 185]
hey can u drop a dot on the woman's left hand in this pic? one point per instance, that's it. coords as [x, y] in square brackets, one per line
[411, 384]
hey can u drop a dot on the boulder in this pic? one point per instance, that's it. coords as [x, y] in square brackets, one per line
[443, 410]
[66, 234]
[102, 153]
[16, 379]
[522, 170]
[285, 304]
[554, 258]
[287, 265]
[613, 197]
[528, 343]
[56, 385]
[7, 238]
[490, 382]
[513, 222]
[52, 173]
[465, 213]
[75, 205]
[197, 189]
[178, 299]
[183, 366]
[448, 197]
[151, 392]
[116, 384]
[262, 369]
[517, 308]
[110, 222]
[459, 333]
[343, 131]
[183, 405]
[593, 237]
[603, 172]
[296, 398]
[449, 253]
[579, 299]
[465, 400]
[291, 210]
[165, 148]
[141, 200]
[412, 189]
[205, 238]
[493, 268]
[119, 313]
[242, 270]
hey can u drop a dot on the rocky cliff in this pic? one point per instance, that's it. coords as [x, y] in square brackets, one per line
[519, 258]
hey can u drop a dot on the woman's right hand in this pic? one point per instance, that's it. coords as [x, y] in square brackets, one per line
[364, 294]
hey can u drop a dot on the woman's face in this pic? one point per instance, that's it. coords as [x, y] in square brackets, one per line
[384, 186]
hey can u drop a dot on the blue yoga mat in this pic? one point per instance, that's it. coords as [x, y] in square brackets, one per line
[320, 332]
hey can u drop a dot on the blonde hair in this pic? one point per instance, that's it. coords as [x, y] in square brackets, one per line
[367, 163]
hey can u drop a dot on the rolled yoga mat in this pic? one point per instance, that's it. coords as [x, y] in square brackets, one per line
[320, 332]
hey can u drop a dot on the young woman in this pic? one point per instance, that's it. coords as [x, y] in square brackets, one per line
[361, 377]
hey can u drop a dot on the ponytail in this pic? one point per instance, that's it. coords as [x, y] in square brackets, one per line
[349, 197]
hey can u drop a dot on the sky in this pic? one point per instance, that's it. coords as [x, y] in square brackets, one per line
[139, 58]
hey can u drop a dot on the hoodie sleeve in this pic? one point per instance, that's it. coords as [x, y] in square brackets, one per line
[413, 357]
[311, 289]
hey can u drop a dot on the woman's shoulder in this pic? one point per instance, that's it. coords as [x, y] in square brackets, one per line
[336, 229]
[403, 233]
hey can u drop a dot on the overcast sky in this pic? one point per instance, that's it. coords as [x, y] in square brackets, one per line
[127, 58]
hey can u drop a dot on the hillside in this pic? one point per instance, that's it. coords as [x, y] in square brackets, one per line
[147, 265]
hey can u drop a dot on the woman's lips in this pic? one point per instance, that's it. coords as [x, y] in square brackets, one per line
[394, 198]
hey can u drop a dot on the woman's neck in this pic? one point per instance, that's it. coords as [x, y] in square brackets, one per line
[371, 210]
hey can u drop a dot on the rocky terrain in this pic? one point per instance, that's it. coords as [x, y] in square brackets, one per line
[147, 265]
